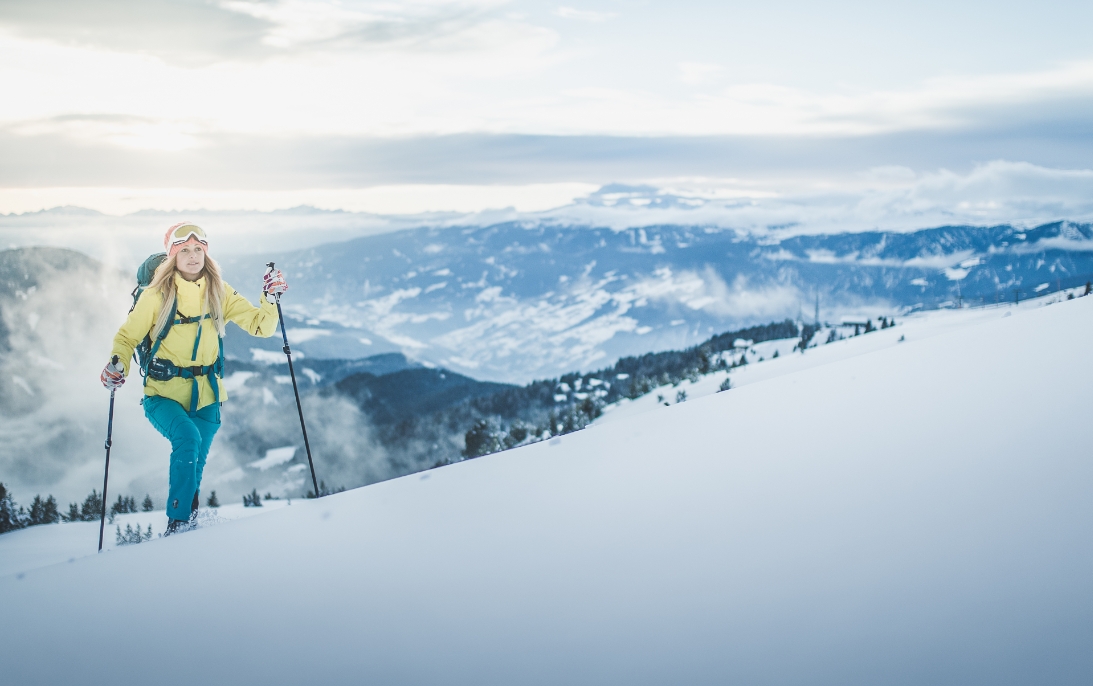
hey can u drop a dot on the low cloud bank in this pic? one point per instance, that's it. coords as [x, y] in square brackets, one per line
[890, 198]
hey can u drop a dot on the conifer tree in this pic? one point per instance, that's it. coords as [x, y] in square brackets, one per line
[73, 513]
[480, 440]
[120, 507]
[212, 501]
[10, 520]
[147, 505]
[43, 511]
[92, 507]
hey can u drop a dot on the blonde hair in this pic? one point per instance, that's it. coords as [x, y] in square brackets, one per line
[164, 281]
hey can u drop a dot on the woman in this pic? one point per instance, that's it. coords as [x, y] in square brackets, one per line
[182, 388]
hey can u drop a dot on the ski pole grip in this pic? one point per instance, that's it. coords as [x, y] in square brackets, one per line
[269, 267]
[114, 360]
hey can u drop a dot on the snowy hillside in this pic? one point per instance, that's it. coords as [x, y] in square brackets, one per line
[917, 515]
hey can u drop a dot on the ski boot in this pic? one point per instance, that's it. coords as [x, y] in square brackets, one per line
[193, 511]
[177, 526]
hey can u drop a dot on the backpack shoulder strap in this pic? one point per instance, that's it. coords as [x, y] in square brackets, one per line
[159, 339]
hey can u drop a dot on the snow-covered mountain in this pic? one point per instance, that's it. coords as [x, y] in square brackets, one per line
[523, 300]
[919, 513]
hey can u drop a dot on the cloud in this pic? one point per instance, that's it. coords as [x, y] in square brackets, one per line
[695, 73]
[432, 26]
[706, 291]
[997, 192]
[187, 31]
[583, 15]
[52, 407]
[200, 32]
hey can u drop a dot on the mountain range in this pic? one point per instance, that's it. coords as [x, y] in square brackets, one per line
[516, 301]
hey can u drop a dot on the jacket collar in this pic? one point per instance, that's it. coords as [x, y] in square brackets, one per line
[191, 295]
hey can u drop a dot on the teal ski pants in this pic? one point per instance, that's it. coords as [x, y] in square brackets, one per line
[190, 439]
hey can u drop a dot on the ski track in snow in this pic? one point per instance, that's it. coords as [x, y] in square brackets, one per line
[920, 513]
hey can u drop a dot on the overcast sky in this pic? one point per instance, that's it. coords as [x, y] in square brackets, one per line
[424, 105]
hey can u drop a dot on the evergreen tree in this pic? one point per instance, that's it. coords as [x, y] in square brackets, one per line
[43, 511]
[92, 507]
[120, 507]
[480, 440]
[212, 501]
[73, 513]
[147, 505]
[255, 500]
[590, 409]
[517, 434]
[10, 518]
[132, 535]
[725, 385]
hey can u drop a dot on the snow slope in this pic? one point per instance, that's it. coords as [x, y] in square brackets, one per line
[917, 515]
[41, 546]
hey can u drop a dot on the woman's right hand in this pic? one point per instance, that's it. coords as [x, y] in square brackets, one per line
[113, 375]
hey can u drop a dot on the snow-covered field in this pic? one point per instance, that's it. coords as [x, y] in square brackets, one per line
[920, 514]
[40, 546]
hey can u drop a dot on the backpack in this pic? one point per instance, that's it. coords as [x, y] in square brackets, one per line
[143, 354]
[145, 272]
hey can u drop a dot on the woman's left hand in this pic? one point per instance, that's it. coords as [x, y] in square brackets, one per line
[273, 283]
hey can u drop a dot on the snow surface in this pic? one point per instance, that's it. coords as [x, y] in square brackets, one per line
[917, 515]
[41, 546]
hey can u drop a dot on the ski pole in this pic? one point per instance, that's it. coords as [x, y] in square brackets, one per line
[106, 472]
[295, 390]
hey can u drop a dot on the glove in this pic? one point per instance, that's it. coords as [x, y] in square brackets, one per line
[273, 283]
[113, 375]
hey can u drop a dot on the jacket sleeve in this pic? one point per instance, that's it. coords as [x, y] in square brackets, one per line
[257, 321]
[136, 327]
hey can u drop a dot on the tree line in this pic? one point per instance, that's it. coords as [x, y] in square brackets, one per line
[45, 511]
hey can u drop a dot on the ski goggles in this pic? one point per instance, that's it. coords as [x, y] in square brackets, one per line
[181, 233]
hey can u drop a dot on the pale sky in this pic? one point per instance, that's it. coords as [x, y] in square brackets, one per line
[120, 105]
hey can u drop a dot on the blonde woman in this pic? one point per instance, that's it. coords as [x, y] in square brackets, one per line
[178, 323]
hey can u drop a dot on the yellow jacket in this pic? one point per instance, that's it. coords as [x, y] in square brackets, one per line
[178, 346]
